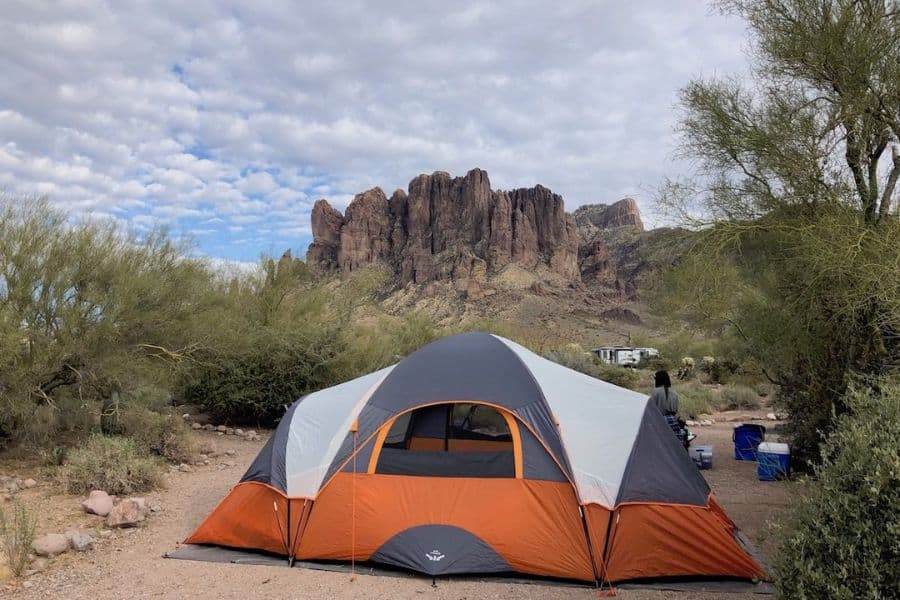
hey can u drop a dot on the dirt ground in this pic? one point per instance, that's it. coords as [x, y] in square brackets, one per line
[129, 563]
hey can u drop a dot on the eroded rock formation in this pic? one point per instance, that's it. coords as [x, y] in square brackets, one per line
[447, 228]
[458, 229]
[625, 212]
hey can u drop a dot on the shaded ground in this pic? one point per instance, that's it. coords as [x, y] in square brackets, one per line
[129, 563]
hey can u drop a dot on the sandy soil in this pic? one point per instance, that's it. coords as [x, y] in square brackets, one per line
[129, 563]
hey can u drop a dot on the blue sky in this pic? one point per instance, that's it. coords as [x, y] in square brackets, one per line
[225, 123]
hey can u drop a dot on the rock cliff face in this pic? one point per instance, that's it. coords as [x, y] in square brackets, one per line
[447, 228]
[459, 230]
[625, 212]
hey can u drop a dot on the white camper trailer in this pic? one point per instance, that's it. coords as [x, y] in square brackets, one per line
[626, 356]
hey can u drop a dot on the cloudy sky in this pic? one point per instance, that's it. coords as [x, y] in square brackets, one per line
[226, 122]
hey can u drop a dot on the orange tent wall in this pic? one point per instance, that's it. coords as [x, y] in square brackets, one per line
[670, 540]
[246, 518]
[597, 519]
[534, 525]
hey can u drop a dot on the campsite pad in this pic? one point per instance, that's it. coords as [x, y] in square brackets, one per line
[244, 557]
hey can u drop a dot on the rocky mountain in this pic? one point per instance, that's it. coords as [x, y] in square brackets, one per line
[459, 230]
[623, 213]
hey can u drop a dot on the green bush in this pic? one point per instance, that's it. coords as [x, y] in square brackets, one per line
[656, 363]
[695, 399]
[842, 539]
[764, 390]
[251, 380]
[111, 463]
[165, 435]
[735, 397]
[16, 536]
[622, 377]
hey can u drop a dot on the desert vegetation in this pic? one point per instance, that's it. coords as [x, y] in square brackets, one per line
[103, 333]
[794, 264]
[796, 255]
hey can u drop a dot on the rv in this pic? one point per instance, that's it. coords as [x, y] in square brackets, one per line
[626, 356]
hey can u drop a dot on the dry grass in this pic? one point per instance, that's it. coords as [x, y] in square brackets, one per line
[110, 463]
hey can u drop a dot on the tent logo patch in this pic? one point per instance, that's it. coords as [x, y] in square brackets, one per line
[434, 555]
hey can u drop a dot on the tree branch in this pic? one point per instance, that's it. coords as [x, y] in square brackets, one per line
[852, 155]
[889, 186]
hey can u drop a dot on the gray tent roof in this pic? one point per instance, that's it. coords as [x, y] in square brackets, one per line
[608, 440]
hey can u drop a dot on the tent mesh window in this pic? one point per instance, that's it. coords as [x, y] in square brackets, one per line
[449, 440]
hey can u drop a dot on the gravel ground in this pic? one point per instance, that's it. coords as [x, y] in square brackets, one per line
[129, 563]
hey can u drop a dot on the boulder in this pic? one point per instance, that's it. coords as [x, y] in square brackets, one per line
[98, 503]
[127, 513]
[29, 483]
[185, 468]
[50, 545]
[80, 541]
[196, 426]
[221, 428]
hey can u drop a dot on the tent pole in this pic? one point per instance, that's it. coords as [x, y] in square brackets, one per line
[587, 536]
[301, 527]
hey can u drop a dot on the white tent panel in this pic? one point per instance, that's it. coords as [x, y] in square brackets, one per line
[318, 428]
[598, 424]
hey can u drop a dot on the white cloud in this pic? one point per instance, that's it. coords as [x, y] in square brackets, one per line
[179, 111]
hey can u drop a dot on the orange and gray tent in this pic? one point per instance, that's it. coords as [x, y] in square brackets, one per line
[475, 455]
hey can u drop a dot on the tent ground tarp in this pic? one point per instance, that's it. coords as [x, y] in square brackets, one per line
[219, 554]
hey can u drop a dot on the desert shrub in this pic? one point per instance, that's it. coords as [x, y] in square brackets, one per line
[114, 464]
[165, 435]
[736, 397]
[16, 536]
[764, 390]
[254, 378]
[621, 376]
[842, 539]
[686, 369]
[86, 310]
[695, 399]
[54, 456]
[575, 358]
[656, 363]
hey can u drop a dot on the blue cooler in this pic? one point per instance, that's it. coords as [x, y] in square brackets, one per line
[746, 438]
[773, 461]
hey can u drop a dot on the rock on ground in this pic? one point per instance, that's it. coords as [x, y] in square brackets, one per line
[98, 503]
[80, 541]
[50, 545]
[127, 513]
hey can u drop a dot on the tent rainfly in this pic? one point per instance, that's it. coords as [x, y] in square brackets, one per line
[474, 455]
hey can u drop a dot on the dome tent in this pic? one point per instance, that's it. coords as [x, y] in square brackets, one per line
[475, 455]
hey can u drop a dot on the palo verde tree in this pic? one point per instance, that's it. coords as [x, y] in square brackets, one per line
[86, 311]
[795, 198]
